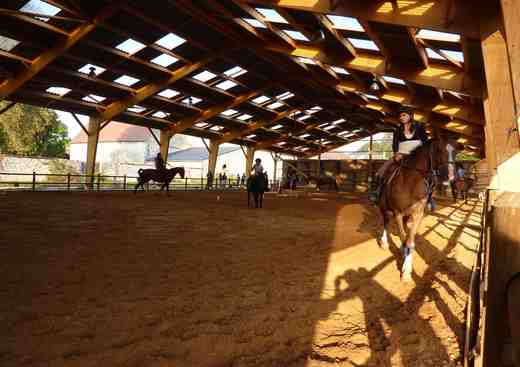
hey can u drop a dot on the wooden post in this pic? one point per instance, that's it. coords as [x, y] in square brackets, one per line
[165, 138]
[94, 125]
[68, 181]
[98, 181]
[250, 156]
[124, 183]
[370, 162]
[511, 14]
[34, 181]
[213, 155]
[502, 139]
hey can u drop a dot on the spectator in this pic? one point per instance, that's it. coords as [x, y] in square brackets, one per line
[238, 179]
[209, 177]
[243, 179]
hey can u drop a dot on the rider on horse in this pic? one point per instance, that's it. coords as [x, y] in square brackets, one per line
[257, 168]
[159, 162]
[408, 136]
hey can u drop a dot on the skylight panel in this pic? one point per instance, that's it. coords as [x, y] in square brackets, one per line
[285, 96]
[274, 105]
[136, 109]
[391, 79]
[216, 128]
[438, 36]
[304, 136]
[235, 72]
[164, 60]
[306, 60]
[323, 125]
[41, 7]
[314, 109]
[204, 76]
[455, 55]
[85, 69]
[229, 112]
[346, 23]
[295, 35]
[244, 117]
[281, 143]
[277, 127]
[271, 15]
[94, 98]
[340, 70]
[364, 44]
[170, 41]
[261, 99]
[329, 127]
[160, 114]
[370, 96]
[126, 80]
[192, 100]
[255, 23]
[130, 46]
[168, 93]
[201, 125]
[7, 44]
[304, 117]
[338, 121]
[251, 136]
[226, 84]
[60, 91]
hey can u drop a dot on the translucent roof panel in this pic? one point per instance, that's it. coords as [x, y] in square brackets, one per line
[274, 105]
[255, 23]
[85, 69]
[170, 41]
[295, 35]
[164, 60]
[340, 70]
[226, 84]
[205, 76]
[346, 23]
[60, 91]
[285, 96]
[304, 117]
[370, 96]
[216, 128]
[168, 93]
[93, 98]
[306, 60]
[329, 127]
[304, 136]
[40, 7]
[261, 99]
[251, 136]
[126, 80]
[201, 124]
[438, 36]
[160, 114]
[136, 109]
[271, 15]
[391, 79]
[455, 55]
[433, 55]
[244, 117]
[338, 121]
[192, 100]
[7, 44]
[235, 72]
[229, 112]
[276, 127]
[130, 46]
[363, 44]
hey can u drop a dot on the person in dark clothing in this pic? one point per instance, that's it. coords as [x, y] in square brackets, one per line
[159, 162]
[408, 136]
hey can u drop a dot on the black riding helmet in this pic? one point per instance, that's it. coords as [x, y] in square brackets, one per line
[406, 109]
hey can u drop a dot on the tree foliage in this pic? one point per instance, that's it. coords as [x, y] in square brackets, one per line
[32, 131]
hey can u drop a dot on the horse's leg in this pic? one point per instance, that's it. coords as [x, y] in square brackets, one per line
[384, 237]
[399, 218]
[416, 218]
[261, 199]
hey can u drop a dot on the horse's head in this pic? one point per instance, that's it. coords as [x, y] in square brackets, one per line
[178, 170]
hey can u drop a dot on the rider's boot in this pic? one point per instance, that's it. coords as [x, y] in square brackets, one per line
[376, 190]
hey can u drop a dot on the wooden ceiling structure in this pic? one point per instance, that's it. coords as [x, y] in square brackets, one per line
[291, 76]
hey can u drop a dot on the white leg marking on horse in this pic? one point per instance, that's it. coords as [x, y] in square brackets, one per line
[407, 264]
[384, 240]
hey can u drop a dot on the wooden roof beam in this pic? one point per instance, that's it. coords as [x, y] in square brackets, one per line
[10, 85]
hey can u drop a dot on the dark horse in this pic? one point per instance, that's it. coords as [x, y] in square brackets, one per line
[257, 185]
[165, 177]
[405, 194]
[331, 181]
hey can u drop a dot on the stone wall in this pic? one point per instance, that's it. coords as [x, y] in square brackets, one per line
[27, 165]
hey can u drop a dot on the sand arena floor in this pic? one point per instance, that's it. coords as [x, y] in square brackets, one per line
[112, 279]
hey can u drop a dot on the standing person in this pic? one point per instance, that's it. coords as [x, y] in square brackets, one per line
[243, 179]
[408, 136]
[209, 179]
[238, 179]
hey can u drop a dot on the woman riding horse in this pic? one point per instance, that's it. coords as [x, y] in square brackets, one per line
[256, 184]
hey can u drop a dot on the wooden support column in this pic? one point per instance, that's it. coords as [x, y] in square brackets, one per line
[250, 155]
[165, 144]
[213, 155]
[502, 140]
[94, 126]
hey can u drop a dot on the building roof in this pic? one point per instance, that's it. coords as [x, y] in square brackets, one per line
[197, 154]
[116, 132]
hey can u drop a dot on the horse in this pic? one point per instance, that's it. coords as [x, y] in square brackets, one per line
[257, 185]
[405, 194]
[162, 176]
[324, 180]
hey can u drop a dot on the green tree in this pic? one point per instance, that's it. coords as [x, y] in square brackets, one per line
[378, 146]
[32, 131]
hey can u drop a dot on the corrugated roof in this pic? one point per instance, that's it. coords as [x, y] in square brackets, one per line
[116, 132]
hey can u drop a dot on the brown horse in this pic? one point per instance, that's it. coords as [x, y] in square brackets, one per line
[324, 180]
[165, 177]
[405, 194]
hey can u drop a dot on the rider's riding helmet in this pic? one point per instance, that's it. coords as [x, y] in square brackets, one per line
[406, 109]
[258, 160]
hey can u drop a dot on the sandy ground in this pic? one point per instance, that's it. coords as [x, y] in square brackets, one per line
[112, 279]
